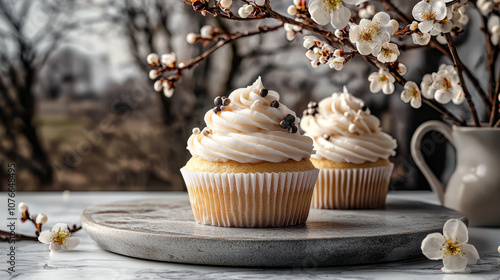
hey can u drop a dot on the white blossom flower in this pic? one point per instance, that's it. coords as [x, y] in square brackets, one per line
[494, 28]
[153, 59]
[447, 84]
[370, 35]
[41, 218]
[381, 80]
[226, 4]
[427, 12]
[333, 11]
[427, 87]
[451, 247]
[191, 38]
[59, 238]
[245, 11]
[411, 93]
[22, 207]
[388, 53]
[443, 26]
[337, 63]
[169, 60]
[422, 40]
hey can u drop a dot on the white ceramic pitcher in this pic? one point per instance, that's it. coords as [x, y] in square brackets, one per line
[474, 187]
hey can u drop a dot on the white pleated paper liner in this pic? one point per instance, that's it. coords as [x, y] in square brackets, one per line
[352, 188]
[250, 199]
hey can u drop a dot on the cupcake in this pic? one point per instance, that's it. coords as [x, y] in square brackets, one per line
[250, 166]
[352, 153]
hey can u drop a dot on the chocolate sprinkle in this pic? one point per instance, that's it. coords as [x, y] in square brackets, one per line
[364, 108]
[284, 124]
[226, 101]
[292, 129]
[327, 137]
[275, 104]
[263, 92]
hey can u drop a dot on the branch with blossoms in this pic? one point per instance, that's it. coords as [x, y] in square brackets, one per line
[359, 30]
[57, 238]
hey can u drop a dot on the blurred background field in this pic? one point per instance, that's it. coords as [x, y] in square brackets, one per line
[78, 112]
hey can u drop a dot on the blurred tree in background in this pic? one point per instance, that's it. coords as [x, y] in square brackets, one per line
[78, 112]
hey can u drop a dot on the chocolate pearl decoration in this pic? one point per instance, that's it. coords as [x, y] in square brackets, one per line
[275, 104]
[326, 136]
[263, 92]
[284, 124]
[364, 108]
[289, 118]
[218, 101]
[292, 129]
[312, 109]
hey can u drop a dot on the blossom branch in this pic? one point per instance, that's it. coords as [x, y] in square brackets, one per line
[436, 45]
[222, 40]
[459, 67]
[433, 104]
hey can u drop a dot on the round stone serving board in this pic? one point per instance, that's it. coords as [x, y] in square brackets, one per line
[164, 229]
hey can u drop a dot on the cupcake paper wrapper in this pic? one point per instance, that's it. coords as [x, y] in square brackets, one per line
[250, 199]
[352, 188]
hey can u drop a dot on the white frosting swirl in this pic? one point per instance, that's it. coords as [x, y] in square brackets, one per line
[343, 132]
[248, 131]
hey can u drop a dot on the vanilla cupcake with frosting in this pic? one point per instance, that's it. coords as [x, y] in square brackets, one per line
[352, 153]
[250, 167]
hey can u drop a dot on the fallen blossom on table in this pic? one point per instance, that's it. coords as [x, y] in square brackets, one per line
[451, 247]
[59, 238]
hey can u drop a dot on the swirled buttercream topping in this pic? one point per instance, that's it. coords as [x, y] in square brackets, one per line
[344, 130]
[248, 130]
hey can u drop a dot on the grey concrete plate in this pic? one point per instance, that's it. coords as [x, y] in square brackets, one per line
[164, 230]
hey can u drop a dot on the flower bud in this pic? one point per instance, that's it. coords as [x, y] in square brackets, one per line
[158, 86]
[153, 59]
[41, 219]
[296, 2]
[23, 207]
[394, 24]
[339, 33]
[226, 3]
[260, 2]
[169, 60]
[191, 38]
[206, 32]
[370, 9]
[291, 10]
[402, 69]
[153, 74]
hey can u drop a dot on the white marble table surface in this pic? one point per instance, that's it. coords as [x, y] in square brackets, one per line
[87, 261]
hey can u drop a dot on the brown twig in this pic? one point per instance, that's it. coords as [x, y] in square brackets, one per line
[494, 111]
[459, 67]
[399, 13]
[5, 236]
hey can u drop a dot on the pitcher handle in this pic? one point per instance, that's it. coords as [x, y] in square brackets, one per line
[416, 153]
